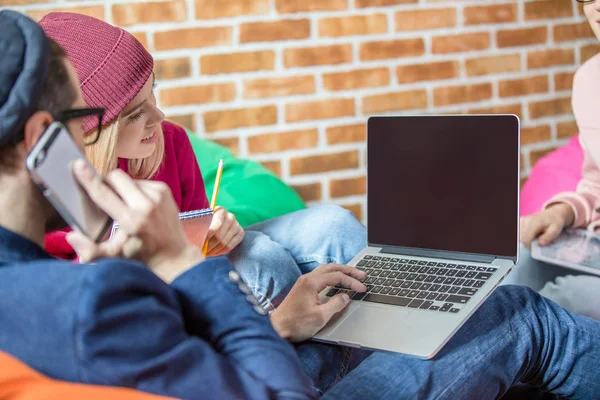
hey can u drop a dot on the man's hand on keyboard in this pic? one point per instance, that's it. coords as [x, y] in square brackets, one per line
[302, 314]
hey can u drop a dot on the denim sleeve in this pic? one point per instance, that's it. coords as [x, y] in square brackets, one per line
[199, 338]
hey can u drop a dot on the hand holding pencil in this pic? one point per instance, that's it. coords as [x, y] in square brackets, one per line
[225, 233]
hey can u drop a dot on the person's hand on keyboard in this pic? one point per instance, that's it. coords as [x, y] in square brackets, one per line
[302, 314]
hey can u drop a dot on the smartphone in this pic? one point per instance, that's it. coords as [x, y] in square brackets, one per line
[50, 164]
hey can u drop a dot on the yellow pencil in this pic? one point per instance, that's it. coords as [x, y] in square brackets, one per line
[213, 200]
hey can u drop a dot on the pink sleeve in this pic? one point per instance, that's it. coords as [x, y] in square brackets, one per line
[586, 198]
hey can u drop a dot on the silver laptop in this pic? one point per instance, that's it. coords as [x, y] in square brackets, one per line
[443, 229]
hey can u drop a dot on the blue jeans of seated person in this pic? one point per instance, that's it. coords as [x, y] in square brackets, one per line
[275, 253]
[577, 292]
[516, 336]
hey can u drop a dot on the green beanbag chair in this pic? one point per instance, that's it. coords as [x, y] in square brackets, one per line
[248, 190]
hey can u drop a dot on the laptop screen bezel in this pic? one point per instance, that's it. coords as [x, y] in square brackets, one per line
[424, 252]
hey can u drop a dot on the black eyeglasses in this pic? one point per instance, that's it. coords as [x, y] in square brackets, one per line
[91, 120]
[585, 1]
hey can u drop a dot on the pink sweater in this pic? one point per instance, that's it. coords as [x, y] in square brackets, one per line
[179, 170]
[585, 201]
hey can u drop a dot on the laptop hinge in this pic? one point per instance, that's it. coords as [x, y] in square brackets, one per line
[447, 255]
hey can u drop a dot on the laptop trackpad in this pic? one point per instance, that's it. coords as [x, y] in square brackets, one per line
[371, 322]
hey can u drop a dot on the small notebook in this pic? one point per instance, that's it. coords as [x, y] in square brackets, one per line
[195, 224]
[575, 249]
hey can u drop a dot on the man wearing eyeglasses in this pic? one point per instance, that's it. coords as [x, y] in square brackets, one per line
[175, 324]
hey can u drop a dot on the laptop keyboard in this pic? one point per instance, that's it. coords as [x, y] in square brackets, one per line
[427, 285]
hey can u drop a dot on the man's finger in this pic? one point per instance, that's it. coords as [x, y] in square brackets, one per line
[346, 269]
[338, 278]
[85, 248]
[127, 189]
[101, 193]
[336, 304]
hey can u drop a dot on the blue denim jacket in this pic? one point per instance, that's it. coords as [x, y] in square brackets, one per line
[116, 323]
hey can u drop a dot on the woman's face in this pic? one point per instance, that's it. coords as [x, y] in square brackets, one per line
[592, 12]
[139, 124]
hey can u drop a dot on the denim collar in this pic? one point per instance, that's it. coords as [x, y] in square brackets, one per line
[15, 248]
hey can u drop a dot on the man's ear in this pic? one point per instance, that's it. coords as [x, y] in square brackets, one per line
[35, 127]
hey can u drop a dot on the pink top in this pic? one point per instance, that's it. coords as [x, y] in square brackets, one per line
[585, 200]
[179, 170]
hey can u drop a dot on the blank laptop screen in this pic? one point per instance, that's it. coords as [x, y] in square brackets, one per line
[446, 183]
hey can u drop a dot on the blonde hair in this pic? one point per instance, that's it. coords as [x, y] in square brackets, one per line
[103, 154]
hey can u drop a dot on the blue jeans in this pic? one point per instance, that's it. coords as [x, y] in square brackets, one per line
[577, 292]
[517, 336]
[275, 253]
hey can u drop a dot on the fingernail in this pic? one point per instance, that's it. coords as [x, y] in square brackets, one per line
[83, 169]
[542, 242]
[346, 298]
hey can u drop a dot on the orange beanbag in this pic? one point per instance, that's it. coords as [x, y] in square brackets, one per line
[19, 382]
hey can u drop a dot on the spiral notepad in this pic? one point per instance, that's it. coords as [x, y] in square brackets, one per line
[195, 224]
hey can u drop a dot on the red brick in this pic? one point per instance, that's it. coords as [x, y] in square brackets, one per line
[515, 109]
[237, 62]
[323, 109]
[147, 12]
[324, 163]
[273, 166]
[239, 118]
[192, 38]
[209, 9]
[187, 121]
[172, 68]
[460, 43]
[490, 14]
[348, 187]
[142, 38]
[589, 51]
[276, 87]
[547, 9]
[563, 81]
[232, 144]
[274, 31]
[566, 129]
[201, 94]
[428, 72]
[357, 79]
[535, 134]
[391, 49]
[92, 11]
[354, 25]
[416, 20]
[570, 32]
[548, 58]
[380, 103]
[462, 94]
[295, 6]
[277, 142]
[381, 3]
[312, 56]
[523, 86]
[346, 134]
[309, 191]
[536, 155]
[493, 64]
[549, 108]
[522, 37]
[355, 209]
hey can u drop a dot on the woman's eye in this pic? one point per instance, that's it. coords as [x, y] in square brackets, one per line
[137, 115]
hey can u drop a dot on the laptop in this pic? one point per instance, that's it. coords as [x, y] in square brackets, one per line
[443, 230]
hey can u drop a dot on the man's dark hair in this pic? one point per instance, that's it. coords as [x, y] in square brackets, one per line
[58, 95]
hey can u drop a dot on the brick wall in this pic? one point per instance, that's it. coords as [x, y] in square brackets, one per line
[291, 82]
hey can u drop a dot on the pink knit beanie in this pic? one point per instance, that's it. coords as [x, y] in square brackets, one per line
[112, 65]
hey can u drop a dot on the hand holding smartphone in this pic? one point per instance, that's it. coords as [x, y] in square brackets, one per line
[50, 165]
